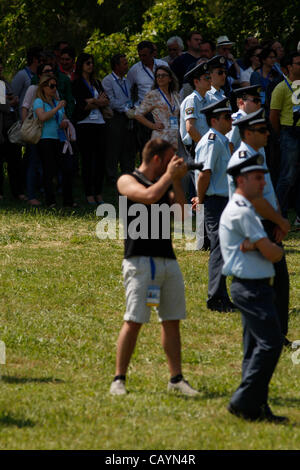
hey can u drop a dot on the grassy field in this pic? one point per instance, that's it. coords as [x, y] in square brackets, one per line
[62, 303]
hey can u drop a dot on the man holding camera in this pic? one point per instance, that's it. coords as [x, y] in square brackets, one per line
[151, 273]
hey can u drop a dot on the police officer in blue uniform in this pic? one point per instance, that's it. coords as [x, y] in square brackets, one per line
[249, 256]
[254, 134]
[217, 67]
[248, 101]
[193, 124]
[214, 153]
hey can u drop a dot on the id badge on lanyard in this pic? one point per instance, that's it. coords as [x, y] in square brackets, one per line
[173, 122]
[153, 292]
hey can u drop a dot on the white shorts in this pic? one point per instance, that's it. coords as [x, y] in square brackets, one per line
[137, 279]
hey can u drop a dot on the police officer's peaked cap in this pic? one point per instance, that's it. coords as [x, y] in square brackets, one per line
[217, 107]
[258, 117]
[253, 90]
[218, 61]
[196, 72]
[253, 163]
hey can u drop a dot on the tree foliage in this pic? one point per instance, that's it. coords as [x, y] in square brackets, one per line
[105, 27]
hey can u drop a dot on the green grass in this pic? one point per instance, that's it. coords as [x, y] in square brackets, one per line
[61, 308]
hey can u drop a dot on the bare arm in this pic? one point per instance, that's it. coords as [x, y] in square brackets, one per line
[269, 250]
[202, 184]
[151, 125]
[190, 125]
[46, 115]
[265, 210]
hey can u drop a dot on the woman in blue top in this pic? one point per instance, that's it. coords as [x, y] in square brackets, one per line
[51, 113]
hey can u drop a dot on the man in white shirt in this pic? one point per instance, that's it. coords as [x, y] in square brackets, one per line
[141, 76]
[121, 148]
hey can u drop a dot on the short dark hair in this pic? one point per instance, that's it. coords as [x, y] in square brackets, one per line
[70, 51]
[210, 42]
[155, 147]
[191, 33]
[58, 43]
[290, 58]
[33, 53]
[209, 117]
[115, 60]
[145, 45]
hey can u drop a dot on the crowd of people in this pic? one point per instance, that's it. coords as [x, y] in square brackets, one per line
[237, 118]
[98, 128]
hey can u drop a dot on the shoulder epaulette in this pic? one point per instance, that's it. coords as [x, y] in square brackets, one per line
[241, 203]
[242, 154]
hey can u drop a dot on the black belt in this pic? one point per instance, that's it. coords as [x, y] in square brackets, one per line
[265, 280]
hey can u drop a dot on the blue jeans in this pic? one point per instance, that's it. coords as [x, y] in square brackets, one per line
[289, 164]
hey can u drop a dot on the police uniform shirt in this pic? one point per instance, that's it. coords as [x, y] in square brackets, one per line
[234, 135]
[214, 152]
[245, 151]
[213, 95]
[238, 222]
[190, 108]
[143, 77]
[118, 92]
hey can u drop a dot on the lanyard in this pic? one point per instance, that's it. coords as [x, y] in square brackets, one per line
[91, 88]
[151, 76]
[153, 268]
[125, 91]
[30, 75]
[172, 108]
[284, 77]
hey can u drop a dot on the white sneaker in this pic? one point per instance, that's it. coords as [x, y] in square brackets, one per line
[297, 222]
[184, 387]
[118, 387]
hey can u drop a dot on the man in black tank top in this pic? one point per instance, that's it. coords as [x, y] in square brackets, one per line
[151, 273]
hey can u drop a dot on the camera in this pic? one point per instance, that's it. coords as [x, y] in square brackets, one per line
[194, 166]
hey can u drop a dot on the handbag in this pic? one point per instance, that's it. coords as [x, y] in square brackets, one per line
[31, 129]
[14, 133]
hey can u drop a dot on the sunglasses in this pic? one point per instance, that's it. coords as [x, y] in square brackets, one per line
[221, 72]
[89, 63]
[254, 100]
[261, 130]
[162, 75]
[206, 77]
[51, 86]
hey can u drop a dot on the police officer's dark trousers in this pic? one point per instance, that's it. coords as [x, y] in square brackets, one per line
[262, 340]
[281, 282]
[213, 208]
